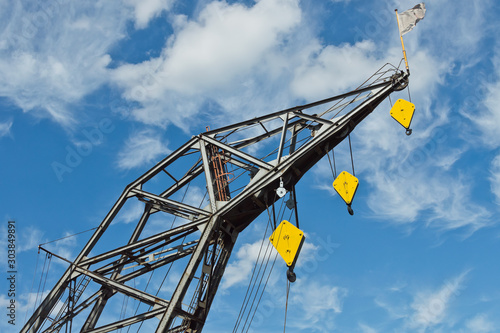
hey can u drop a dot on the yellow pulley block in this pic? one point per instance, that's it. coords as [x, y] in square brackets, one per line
[287, 239]
[346, 185]
[402, 111]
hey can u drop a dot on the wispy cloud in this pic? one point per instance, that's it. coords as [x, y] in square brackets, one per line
[480, 324]
[411, 178]
[430, 307]
[142, 148]
[314, 300]
[29, 239]
[207, 57]
[239, 271]
[132, 212]
[488, 119]
[423, 308]
[65, 247]
[367, 329]
[495, 178]
[145, 10]
[5, 128]
[461, 18]
[54, 54]
[318, 304]
[330, 69]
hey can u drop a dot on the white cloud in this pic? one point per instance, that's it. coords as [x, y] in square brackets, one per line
[63, 247]
[24, 304]
[367, 329]
[54, 53]
[207, 57]
[313, 300]
[5, 128]
[410, 176]
[132, 212]
[488, 120]
[404, 198]
[145, 10]
[144, 147]
[495, 178]
[430, 307]
[317, 304]
[402, 171]
[240, 270]
[332, 69]
[480, 324]
[462, 18]
[28, 239]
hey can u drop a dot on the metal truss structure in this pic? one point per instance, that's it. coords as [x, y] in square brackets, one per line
[240, 166]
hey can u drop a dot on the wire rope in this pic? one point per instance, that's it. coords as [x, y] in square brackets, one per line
[242, 309]
[352, 158]
[286, 303]
[332, 167]
[262, 293]
[78, 233]
[48, 268]
[123, 311]
[258, 288]
[263, 263]
[32, 284]
[409, 95]
[251, 286]
[40, 283]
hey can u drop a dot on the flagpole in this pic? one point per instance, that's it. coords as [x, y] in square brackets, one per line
[402, 44]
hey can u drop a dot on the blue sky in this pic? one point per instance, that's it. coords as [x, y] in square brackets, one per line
[94, 93]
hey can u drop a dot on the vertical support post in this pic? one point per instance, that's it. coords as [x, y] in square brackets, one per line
[223, 243]
[198, 253]
[187, 277]
[283, 137]
[208, 175]
[402, 44]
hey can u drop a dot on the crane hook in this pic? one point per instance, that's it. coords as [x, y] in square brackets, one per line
[290, 275]
[349, 209]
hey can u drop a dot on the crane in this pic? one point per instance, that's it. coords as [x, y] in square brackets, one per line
[245, 168]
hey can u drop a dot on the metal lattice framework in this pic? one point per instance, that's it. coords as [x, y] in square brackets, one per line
[241, 166]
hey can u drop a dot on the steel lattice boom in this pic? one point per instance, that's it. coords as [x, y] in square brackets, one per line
[240, 166]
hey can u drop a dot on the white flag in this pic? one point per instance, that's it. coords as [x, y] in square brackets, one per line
[408, 19]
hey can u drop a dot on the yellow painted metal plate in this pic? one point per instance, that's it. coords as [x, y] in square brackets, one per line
[402, 112]
[287, 239]
[346, 185]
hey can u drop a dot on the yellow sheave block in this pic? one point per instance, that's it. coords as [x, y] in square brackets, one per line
[346, 186]
[287, 239]
[402, 111]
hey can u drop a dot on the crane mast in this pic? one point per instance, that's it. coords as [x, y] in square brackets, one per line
[201, 238]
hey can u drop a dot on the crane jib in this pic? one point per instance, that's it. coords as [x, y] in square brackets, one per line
[275, 150]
